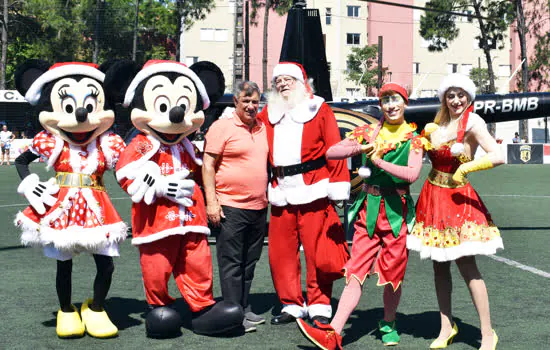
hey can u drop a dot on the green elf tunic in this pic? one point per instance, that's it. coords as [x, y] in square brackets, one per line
[396, 150]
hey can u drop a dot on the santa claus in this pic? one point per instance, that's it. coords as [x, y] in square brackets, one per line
[300, 129]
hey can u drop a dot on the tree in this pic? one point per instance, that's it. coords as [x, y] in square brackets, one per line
[363, 67]
[441, 29]
[537, 65]
[89, 30]
[4, 38]
[281, 7]
[481, 78]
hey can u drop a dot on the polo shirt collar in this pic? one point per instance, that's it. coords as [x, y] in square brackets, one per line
[239, 122]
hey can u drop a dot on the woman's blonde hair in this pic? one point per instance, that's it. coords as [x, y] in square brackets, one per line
[443, 114]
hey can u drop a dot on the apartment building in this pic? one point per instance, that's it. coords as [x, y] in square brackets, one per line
[213, 40]
[352, 23]
[463, 54]
[344, 27]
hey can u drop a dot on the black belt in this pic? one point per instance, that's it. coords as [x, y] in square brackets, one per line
[282, 171]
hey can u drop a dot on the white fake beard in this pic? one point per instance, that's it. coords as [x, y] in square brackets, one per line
[276, 101]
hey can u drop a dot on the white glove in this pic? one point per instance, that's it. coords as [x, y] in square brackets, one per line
[227, 113]
[177, 188]
[38, 193]
[145, 182]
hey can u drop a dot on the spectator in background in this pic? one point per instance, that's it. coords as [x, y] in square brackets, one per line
[6, 137]
[516, 138]
[235, 182]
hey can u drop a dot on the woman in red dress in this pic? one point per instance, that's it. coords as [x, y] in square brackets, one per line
[452, 223]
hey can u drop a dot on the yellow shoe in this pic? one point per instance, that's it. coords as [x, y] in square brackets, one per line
[97, 324]
[69, 324]
[495, 340]
[438, 344]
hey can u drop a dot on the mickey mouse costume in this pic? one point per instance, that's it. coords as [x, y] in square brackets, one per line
[169, 221]
[72, 212]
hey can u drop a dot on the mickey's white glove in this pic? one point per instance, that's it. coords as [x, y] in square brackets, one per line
[227, 113]
[177, 188]
[145, 182]
[38, 193]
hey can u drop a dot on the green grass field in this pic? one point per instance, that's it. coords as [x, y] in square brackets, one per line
[517, 196]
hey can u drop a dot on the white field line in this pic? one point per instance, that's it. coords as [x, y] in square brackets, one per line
[503, 195]
[520, 266]
[494, 257]
[414, 194]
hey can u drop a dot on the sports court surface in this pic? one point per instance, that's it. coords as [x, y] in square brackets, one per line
[518, 281]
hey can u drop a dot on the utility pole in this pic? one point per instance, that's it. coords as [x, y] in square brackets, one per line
[98, 7]
[246, 41]
[4, 54]
[238, 44]
[380, 43]
[522, 30]
[134, 48]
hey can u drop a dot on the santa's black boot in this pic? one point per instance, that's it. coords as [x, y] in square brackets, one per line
[163, 322]
[219, 318]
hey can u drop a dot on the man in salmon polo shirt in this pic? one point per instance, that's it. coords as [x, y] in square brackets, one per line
[235, 182]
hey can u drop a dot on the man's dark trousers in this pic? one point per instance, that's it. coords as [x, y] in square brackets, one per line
[238, 248]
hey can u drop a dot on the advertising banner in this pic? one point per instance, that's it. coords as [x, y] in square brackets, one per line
[520, 153]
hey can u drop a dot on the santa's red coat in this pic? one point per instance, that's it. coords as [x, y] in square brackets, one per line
[306, 134]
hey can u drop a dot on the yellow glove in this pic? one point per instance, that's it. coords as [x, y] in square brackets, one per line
[482, 163]
[429, 129]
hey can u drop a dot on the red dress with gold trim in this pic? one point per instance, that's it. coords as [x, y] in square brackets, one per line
[83, 218]
[451, 222]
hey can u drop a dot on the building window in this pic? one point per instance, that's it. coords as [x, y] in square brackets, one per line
[190, 60]
[207, 34]
[328, 16]
[220, 35]
[452, 68]
[428, 93]
[504, 70]
[353, 39]
[416, 68]
[353, 11]
[352, 92]
[212, 34]
[465, 69]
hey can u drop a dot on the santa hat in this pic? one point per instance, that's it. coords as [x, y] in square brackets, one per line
[458, 81]
[153, 67]
[395, 88]
[295, 70]
[61, 70]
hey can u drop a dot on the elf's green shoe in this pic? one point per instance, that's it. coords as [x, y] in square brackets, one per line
[389, 333]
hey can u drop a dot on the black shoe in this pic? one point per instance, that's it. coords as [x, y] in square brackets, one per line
[163, 322]
[283, 318]
[320, 319]
[219, 318]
